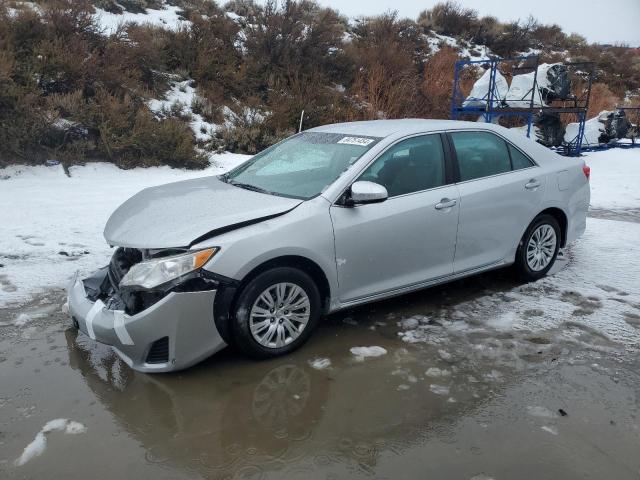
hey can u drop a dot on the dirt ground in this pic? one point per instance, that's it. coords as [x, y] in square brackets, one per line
[458, 395]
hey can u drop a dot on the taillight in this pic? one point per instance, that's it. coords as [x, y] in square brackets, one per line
[586, 169]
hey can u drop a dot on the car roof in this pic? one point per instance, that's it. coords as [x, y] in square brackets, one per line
[385, 128]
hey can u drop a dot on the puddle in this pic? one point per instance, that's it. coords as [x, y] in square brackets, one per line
[466, 394]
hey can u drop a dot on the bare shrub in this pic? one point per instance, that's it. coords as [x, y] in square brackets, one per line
[601, 99]
[437, 83]
[450, 18]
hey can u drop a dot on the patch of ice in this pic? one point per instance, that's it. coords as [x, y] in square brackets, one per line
[57, 424]
[439, 389]
[34, 449]
[552, 429]
[542, 412]
[444, 355]
[365, 352]
[39, 443]
[409, 323]
[436, 372]
[320, 363]
[503, 321]
[22, 320]
[74, 428]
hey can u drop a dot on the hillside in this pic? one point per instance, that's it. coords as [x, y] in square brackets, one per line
[168, 82]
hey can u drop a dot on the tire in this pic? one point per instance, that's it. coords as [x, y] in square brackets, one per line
[539, 263]
[281, 333]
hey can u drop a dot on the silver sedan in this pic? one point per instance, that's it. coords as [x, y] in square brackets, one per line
[330, 218]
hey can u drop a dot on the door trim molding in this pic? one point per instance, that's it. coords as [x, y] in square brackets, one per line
[420, 285]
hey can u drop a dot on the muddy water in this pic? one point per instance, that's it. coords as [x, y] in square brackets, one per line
[467, 404]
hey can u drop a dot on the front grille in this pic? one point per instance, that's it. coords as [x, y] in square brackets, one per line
[159, 352]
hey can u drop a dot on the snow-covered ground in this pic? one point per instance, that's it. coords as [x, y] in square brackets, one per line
[168, 17]
[52, 224]
[615, 178]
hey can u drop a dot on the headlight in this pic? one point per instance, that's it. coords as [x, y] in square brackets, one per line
[151, 273]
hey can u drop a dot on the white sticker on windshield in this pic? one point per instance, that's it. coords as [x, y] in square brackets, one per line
[363, 142]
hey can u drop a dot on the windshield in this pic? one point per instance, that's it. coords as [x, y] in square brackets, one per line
[301, 166]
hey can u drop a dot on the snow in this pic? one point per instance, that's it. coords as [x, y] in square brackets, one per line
[540, 412]
[168, 17]
[39, 443]
[600, 276]
[52, 224]
[592, 130]
[520, 91]
[550, 429]
[435, 372]
[320, 363]
[364, 352]
[471, 51]
[615, 178]
[180, 97]
[439, 389]
[480, 91]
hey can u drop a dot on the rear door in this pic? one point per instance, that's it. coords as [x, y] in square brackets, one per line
[501, 190]
[410, 237]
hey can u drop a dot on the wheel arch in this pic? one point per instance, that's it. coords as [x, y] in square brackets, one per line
[561, 218]
[226, 299]
[295, 261]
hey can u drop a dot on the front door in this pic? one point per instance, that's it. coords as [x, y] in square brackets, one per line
[407, 239]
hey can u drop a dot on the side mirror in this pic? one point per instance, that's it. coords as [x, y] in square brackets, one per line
[367, 192]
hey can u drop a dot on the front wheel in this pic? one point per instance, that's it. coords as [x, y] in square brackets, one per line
[538, 248]
[276, 312]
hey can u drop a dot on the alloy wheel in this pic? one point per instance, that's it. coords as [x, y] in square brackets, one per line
[541, 247]
[279, 315]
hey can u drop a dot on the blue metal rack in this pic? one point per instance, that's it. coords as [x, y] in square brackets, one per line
[495, 107]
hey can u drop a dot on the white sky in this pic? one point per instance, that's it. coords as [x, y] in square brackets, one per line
[603, 21]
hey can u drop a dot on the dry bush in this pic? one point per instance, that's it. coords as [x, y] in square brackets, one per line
[437, 83]
[383, 93]
[602, 98]
[249, 130]
[388, 54]
[450, 18]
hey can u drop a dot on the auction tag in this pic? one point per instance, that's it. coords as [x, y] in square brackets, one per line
[362, 141]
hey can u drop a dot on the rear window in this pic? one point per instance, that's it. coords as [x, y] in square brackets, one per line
[480, 154]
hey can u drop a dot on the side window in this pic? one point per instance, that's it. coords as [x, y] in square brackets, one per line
[480, 154]
[518, 159]
[409, 166]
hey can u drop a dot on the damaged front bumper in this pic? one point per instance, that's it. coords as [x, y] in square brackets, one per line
[173, 333]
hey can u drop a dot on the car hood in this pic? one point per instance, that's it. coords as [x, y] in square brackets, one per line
[181, 213]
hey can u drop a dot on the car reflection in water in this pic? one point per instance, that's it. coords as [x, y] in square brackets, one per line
[240, 418]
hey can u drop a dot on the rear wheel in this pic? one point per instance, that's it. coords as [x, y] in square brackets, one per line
[538, 248]
[276, 312]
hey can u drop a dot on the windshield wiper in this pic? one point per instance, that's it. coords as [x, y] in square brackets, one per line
[248, 186]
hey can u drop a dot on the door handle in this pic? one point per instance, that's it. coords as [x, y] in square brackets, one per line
[445, 203]
[532, 184]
